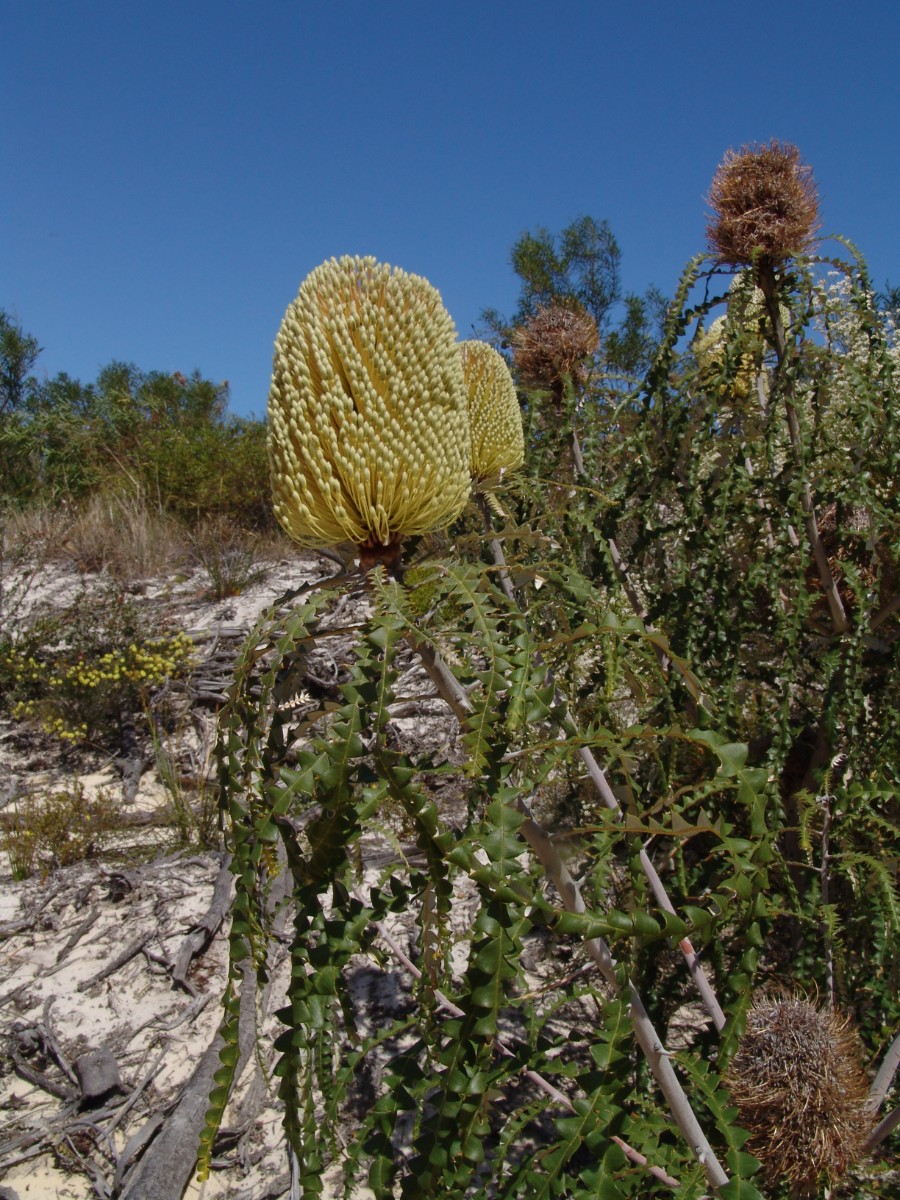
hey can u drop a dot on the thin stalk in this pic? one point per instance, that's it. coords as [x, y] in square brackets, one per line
[824, 884]
[608, 796]
[650, 1042]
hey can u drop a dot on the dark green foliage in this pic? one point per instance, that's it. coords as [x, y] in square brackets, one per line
[18, 354]
[458, 1080]
[167, 438]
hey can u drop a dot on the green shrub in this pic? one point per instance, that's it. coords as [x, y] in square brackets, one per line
[45, 830]
[80, 671]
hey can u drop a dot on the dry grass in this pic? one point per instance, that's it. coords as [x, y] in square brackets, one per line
[764, 203]
[228, 554]
[124, 536]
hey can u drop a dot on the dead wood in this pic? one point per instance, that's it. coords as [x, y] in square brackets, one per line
[77, 934]
[38, 1078]
[132, 760]
[118, 962]
[165, 1170]
[205, 930]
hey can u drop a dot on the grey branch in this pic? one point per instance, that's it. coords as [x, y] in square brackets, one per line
[542, 845]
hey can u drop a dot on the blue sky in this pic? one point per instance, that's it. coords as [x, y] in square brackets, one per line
[172, 171]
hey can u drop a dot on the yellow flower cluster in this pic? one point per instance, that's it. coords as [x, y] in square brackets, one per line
[66, 685]
[378, 422]
[368, 434]
[495, 419]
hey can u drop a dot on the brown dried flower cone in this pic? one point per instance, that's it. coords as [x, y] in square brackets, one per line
[800, 1091]
[764, 201]
[553, 346]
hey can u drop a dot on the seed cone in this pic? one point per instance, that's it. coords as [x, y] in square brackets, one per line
[368, 431]
[495, 419]
[764, 202]
[800, 1091]
[552, 347]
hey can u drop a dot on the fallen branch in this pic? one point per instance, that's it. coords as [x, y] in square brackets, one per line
[132, 949]
[166, 1168]
[206, 928]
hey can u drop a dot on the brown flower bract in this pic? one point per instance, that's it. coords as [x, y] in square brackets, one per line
[764, 202]
[552, 347]
[800, 1091]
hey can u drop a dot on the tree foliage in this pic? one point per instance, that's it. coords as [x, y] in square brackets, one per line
[582, 264]
[18, 353]
[168, 437]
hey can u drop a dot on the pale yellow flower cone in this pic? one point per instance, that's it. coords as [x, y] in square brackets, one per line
[495, 419]
[368, 431]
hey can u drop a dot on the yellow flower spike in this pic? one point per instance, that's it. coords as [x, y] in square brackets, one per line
[495, 419]
[368, 433]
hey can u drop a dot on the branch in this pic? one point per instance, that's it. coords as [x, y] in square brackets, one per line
[882, 1130]
[881, 1084]
[648, 1039]
[651, 1044]
[608, 796]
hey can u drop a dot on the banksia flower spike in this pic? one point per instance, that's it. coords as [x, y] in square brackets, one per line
[553, 346]
[764, 203]
[800, 1091]
[368, 432]
[495, 419]
[744, 328]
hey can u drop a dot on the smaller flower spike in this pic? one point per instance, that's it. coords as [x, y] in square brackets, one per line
[764, 203]
[368, 432]
[495, 419]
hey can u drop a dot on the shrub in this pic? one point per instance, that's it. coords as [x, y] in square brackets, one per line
[81, 670]
[45, 830]
[658, 647]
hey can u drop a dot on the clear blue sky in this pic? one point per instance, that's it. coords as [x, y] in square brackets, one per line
[172, 171]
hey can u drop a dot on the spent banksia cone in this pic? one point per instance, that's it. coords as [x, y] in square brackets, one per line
[368, 431]
[552, 347]
[495, 419]
[800, 1091]
[764, 202]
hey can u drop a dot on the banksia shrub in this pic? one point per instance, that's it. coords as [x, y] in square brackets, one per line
[800, 1091]
[742, 331]
[552, 347]
[495, 419]
[764, 201]
[368, 432]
